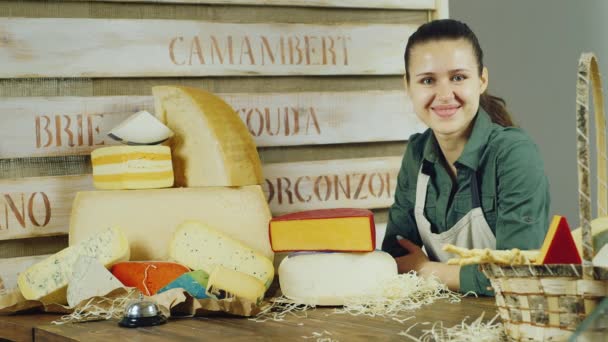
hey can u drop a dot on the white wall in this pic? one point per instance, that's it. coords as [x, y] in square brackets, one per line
[531, 49]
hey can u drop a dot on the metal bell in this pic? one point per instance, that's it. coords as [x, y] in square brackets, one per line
[142, 313]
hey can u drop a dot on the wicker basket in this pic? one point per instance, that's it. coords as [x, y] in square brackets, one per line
[548, 302]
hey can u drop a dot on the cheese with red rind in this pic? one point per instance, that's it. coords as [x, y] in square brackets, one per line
[559, 246]
[342, 230]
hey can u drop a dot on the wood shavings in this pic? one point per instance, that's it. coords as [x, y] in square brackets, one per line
[463, 332]
[279, 307]
[100, 308]
[482, 256]
[320, 337]
[403, 293]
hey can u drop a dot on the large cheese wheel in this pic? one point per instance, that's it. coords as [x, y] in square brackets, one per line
[332, 278]
[149, 217]
[211, 145]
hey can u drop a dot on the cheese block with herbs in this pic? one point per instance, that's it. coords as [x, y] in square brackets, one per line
[90, 279]
[148, 276]
[331, 278]
[211, 145]
[344, 230]
[132, 167]
[226, 283]
[47, 280]
[202, 247]
[149, 217]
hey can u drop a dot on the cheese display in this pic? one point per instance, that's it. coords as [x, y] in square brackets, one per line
[148, 276]
[47, 280]
[90, 279]
[324, 230]
[559, 247]
[149, 217]
[332, 278]
[227, 283]
[132, 167]
[201, 247]
[195, 283]
[211, 146]
[141, 128]
[599, 232]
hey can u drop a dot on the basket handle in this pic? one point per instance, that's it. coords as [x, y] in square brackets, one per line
[588, 69]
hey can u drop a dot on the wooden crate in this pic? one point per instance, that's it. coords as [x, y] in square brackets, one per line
[318, 84]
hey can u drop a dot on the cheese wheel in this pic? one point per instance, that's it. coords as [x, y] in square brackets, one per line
[211, 145]
[150, 217]
[332, 278]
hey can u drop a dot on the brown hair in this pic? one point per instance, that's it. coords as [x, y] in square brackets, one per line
[451, 29]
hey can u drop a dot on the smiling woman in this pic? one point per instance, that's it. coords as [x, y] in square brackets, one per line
[472, 179]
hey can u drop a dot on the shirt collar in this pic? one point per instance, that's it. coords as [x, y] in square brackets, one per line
[473, 148]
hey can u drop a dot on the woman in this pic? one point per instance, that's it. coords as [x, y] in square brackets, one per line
[471, 179]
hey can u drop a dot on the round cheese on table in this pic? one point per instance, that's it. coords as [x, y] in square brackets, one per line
[332, 278]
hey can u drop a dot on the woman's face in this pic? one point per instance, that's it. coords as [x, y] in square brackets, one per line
[445, 85]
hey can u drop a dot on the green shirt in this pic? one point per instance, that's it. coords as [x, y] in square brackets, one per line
[514, 192]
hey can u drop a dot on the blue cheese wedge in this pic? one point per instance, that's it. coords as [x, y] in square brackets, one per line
[141, 128]
[201, 247]
[90, 279]
[47, 280]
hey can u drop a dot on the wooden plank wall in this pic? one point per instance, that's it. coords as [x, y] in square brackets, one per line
[327, 111]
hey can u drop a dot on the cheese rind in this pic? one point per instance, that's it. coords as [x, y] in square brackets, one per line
[225, 282]
[201, 247]
[211, 146]
[132, 167]
[332, 278]
[344, 230]
[47, 280]
[150, 217]
[90, 279]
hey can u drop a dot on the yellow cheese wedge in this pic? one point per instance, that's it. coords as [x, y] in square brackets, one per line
[201, 247]
[132, 167]
[211, 145]
[47, 280]
[149, 217]
[226, 283]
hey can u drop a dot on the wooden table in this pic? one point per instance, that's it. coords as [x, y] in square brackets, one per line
[342, 327]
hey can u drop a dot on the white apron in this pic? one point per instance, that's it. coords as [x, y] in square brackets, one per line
[471, 231]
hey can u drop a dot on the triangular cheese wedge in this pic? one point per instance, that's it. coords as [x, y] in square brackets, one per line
[559, 246]
[141, 128]
[89, 279]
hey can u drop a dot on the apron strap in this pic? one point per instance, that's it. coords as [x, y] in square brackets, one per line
[475, 194]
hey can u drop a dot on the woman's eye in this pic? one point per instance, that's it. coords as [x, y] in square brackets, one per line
[426, 81]
[458, 78]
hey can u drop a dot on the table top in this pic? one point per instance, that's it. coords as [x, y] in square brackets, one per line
[340, 327]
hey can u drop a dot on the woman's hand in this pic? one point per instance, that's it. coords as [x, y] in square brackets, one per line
[415, 260]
